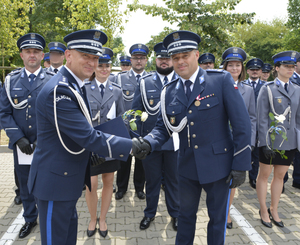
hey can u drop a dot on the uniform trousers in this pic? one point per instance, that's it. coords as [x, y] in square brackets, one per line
[28, 201]
[123, 175]
[217, 205]
[157, 163]
[296, 172]
[58, 222]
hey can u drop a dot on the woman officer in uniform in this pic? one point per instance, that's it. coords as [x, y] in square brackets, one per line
[106, 103]
[281, 97]
[233, 63]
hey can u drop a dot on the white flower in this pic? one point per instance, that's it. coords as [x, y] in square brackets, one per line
[280, 118]
[144, 116]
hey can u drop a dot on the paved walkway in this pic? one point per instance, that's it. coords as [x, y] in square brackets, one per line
[125, 215]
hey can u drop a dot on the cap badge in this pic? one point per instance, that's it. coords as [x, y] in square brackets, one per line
[55, 44]
[32, 36]
[97, 35]
[293, 54]
[176, 36]
[139, 45]
[235, 50]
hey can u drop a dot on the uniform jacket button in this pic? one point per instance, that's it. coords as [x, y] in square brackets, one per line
[194, 136]
[29, 116]
[190, 111]
[29, 106]
[196, 147]
[29, 96]
[121, 155]
[65, 173]
[29, 126]
[225, 149]
[192, 123]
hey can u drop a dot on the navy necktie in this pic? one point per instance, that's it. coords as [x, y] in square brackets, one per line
[55, 70]
[188, 91]
[102, 89]
[166, 80]
[286, 87]
[138, 77]
[32, 77]
[253, 84]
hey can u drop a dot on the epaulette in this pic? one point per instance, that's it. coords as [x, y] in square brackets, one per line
[122, 72]
[269, 83]
[87, 82]
[294, 82]
[15, 71]
[49, 72]
[214, 70]
[63, 81]
[147, 75]
[173, 81]
[245, 83]
[116, 85]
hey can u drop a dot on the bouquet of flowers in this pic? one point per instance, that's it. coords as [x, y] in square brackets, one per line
[132, 115]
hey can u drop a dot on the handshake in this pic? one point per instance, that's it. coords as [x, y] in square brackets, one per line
[140, 148]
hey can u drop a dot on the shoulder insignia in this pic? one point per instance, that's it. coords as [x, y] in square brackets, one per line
[247, 84]
[15, 71]
[122, 72]
[49, 72]
[268, 83]
[63, 81]
[214, 70]
[116, 85]
[171, 82]
[147, 75]
[87, 82]
[294, 82]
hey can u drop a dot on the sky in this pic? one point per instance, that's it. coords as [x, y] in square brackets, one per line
[140, 26]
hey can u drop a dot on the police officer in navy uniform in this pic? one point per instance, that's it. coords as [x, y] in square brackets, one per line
[66, 138]
[266, 72]
[254, 70]
[196, 109]
[57, 56]
[128, 82]
[125, 62]
[47, 60]
[18, 115]
[207, 61]
[164, 161]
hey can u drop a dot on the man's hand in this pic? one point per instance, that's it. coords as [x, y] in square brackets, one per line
[96, 160]
[25, 146]
[238, 178]
[268, 153]
[140, 148]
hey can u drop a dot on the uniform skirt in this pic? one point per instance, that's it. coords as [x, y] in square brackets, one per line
[106, 167]
[277, 160]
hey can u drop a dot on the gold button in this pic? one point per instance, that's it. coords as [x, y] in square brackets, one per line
[192, 123]
[173, 112]
[29, 106]
[194, 136]
[29, 126]
[196, 147]
[208, 105]
[65, 173]
[190, 111]
[121, 155]
[29, 96]
[225, 149]
[29, 116]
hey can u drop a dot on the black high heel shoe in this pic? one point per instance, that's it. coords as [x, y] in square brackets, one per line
[92, 232]
[277, 223]
[102, 233]
[267, 224]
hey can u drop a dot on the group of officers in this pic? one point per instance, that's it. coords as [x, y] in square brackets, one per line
[186, 143]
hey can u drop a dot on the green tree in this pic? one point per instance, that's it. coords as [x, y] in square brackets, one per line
[292, 39]
[214, 21]
[262, 39]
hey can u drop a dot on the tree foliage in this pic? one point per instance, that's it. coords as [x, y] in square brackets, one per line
[214, 22]
[262, 39]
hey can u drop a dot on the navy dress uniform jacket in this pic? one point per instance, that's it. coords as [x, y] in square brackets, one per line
[153, 87]
[56, 174]
[214, 150]
[281, 100]
[296, 79]
[257, 88]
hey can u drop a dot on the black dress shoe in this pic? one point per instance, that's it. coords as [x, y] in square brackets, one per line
[114, 189]
[26, 229]
[296, 185]
[252, 183]
[175, 223]
[277, 223]
[267, 224]
[91, 233]
[145, 223]
[103, 233]
[18, 200]
[141, 195]
[119, 195]
[229, 225]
